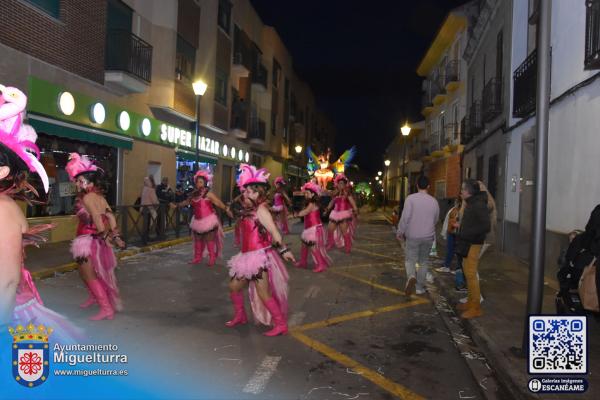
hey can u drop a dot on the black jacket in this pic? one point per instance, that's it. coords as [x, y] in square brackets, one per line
[475, 223]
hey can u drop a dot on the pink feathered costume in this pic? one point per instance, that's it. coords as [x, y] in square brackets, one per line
[279, 208]
[256, 257]
[204, 221]
[19, 138]
[342, 213]
[90, 245]
[313, 236]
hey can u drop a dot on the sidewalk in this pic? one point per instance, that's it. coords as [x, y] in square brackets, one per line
[499, 331]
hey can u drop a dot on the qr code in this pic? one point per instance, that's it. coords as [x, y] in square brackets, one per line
[557, 345]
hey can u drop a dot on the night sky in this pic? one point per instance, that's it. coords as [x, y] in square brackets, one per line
[360, 59]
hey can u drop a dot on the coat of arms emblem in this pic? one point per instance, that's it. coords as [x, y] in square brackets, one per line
[30, 350]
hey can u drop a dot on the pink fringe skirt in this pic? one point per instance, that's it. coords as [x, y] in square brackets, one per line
[248, 266]
[103, 260]
[30, 308]
[341, 216]
[315, 236]
[206, 225]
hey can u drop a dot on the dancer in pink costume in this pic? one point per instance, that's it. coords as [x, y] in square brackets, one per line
[20, 301]
[241, 203]
[205, 225]
[259, 265]
[313, 236]
[342, 222]
[97, 233]
[281, 202]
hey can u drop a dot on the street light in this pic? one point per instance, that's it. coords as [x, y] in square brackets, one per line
[199, 89]
[379, 173]
[405, 132]
[376, 178]
[298, 149]
[387, 164]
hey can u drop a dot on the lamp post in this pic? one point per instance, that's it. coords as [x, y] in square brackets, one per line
[385, 183]
[405, 132]
[199, 90]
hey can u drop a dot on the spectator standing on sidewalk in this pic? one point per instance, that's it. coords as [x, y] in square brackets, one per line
[149, 202]
[417, 228]
[490, 238]
[472, 230]
[165, 195]
[449, 233]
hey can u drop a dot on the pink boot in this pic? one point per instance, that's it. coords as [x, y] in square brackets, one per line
[106, 310]
[320, 261]
[212, 252]
[198, 250]
[239, 316]
[330, 240]
[303, 257]
[348, 242]
[90, 300]
[279, 323]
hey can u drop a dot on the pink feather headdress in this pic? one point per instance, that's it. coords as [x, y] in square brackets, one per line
[280, 181]
[204, 174]
[313, 187]
[17, 136]
[250, 175]
[340, 177]
[78, 165]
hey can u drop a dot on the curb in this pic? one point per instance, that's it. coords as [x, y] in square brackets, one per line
[72, 266]
[500, 368]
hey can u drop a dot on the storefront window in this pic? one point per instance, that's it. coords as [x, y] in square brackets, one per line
[185, 172]
[54, 157]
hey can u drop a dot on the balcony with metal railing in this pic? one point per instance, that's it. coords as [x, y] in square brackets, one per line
[491, 101]
[128, 62]
[525, 84]
[473, 123]
[465, 136]
[260, 77]
[452, 131]
[427, 104]
[258, 133]
[438, 91]
[452, 77]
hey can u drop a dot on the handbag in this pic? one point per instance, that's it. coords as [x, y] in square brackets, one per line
[588, 292]
[462, 248]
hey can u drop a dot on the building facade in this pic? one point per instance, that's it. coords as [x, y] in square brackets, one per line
[113, 79]
[573, 189]
[488, 109]
[444, 104]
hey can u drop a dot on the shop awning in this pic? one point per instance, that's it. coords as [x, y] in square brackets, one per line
[72, 131]
[191, 156]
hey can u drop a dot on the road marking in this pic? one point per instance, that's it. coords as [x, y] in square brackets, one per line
[357, 315]
[381, 264]
[373, 254]
[375, 285]
[376, 378]
[312, 292]
[261, 377]
[296, 318]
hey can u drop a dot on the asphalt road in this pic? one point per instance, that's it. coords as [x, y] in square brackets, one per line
[355, 335]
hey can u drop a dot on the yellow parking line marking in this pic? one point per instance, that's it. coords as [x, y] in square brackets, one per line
[378, 379]
[360, 314]
[375, 285]
[373, 254]
[381, 264]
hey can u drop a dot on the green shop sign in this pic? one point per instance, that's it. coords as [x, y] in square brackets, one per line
[56, 110]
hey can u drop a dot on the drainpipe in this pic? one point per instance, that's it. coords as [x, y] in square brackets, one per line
[506, 191]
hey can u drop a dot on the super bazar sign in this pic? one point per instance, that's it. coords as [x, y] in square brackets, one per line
[181, 137]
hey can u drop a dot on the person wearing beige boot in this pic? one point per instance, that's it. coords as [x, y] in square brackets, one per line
[472, 230]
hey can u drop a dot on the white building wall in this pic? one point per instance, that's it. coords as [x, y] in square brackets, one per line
[568, 45]
[573, 184]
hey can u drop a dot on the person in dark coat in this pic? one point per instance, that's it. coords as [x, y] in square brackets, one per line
[472, 230]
